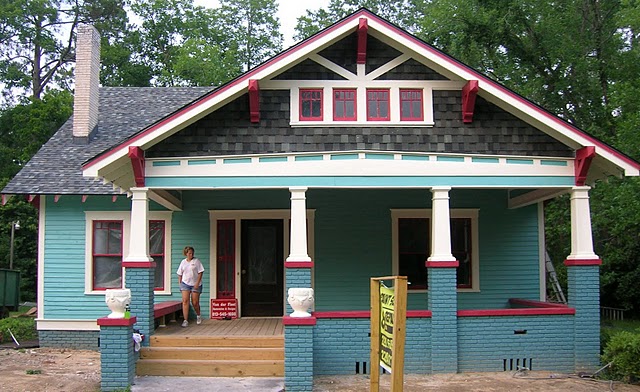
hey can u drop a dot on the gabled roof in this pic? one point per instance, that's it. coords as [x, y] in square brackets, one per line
[57, 167]
[607, 161]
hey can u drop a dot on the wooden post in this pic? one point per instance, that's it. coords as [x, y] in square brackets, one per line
[399, 332]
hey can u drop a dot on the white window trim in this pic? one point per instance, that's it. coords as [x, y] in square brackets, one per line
[426, 213]
[125, 217]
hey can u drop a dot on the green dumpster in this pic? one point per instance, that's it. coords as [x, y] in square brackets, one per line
[9, 289]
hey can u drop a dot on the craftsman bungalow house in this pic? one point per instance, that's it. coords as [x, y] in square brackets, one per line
[361, 151]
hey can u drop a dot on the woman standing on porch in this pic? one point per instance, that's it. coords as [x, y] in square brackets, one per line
[190, 274]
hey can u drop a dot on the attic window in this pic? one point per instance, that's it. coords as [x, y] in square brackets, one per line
[378, 105]
[311, 105]
[411, 105]
[344, 105]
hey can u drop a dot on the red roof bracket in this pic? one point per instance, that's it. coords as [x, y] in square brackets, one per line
[582, 163]
[362, 41]
[136, 154]
[469, 92]
[254, 100]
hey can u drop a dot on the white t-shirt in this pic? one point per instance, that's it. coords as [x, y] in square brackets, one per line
[190, 270]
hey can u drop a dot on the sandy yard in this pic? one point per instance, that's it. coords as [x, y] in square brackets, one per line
[49, 370]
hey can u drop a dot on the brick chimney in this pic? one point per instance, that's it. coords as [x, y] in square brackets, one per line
[87, 83]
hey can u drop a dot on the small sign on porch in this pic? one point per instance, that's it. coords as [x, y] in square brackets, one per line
[224, 308]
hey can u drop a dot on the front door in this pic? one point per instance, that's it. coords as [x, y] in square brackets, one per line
[262, 264]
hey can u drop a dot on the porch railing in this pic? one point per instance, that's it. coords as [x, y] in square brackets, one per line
[614, 314]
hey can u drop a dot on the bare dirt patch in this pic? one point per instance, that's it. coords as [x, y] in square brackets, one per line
[49, 370]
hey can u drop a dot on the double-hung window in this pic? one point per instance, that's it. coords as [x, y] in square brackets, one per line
[411, 105]
[412, 239]
[311, 105]
[106, 254]
[378, 105]
[344, 105]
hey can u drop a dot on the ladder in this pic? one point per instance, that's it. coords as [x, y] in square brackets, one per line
[557, 295]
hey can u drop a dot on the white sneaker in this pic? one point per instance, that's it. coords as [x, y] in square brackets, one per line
[185, 323]
[199, 320]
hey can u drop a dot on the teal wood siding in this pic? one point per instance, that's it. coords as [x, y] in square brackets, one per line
[64, 257]
[353, 244]
[545, 342]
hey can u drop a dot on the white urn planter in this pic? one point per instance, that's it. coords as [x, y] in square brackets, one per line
[300, 299]
[117, 300]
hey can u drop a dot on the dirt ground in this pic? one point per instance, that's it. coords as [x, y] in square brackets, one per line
[79, 371]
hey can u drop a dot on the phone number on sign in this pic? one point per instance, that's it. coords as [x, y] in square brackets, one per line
[223, 314]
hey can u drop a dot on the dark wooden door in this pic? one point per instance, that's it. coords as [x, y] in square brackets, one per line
[262, 264]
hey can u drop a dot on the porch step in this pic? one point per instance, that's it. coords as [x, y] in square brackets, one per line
[212, 356]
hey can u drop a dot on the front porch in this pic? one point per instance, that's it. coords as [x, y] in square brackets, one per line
[216, 348]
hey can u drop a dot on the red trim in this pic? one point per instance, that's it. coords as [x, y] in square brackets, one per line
[469, 92]
[56, 198]
[4, 199]
[582, 262]
[287, 320]
[535, 304]
[442, 264]
[114, 198]
[584, 156]
[431, 51]
[366, 314]
[84, 198]
[362, 41]
[139, 264]
[136, 154]
[116, 322]
[298, 264]
[254, 100]
[515, 312]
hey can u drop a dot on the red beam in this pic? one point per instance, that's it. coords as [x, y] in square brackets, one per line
[469, 92]
[584, 156]
[254, 100]
[362, 41]
[136, 154]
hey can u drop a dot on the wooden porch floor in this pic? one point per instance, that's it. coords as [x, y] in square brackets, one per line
[254, 326]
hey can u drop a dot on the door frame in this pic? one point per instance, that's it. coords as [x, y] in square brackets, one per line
[238, 216]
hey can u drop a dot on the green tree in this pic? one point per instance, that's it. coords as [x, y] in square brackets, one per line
[254, 29]
[36, 41]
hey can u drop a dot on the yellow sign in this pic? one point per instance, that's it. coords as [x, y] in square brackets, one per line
[387, 305]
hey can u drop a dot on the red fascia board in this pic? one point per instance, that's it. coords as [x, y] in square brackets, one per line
[582, 262]
[309, 41]
[116, 322]
[516, 312]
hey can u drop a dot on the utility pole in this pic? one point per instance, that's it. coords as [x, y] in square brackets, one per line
[14, 226]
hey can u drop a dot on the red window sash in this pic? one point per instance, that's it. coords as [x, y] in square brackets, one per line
[349, 96]
[409, 95]
[377, 97]
[309, 101]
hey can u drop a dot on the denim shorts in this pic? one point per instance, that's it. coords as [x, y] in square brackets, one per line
[186, 287]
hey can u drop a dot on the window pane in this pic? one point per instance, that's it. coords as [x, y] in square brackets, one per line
[159, 276]
[100, 240]
[461, 249]
[339, 110]
[306, 109]
[384, 110]
[413, 245]
[373, 109]
[316, 106]
[350, 109]
[405, 109]
[115, 238]
[417, 109]
[107, 272]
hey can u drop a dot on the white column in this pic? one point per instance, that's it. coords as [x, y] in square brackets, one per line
[298, 242]
[581, 237]
[440, 226]
[139, 230]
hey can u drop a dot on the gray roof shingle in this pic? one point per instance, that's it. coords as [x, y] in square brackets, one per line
[124, 111]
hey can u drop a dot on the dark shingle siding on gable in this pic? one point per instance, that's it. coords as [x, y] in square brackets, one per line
[378, 54]
[412, 70]
[56, 167]
[343, 52]
[308, 70]
[229, 132]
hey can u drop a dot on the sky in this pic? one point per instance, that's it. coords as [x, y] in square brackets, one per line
[289, 11]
